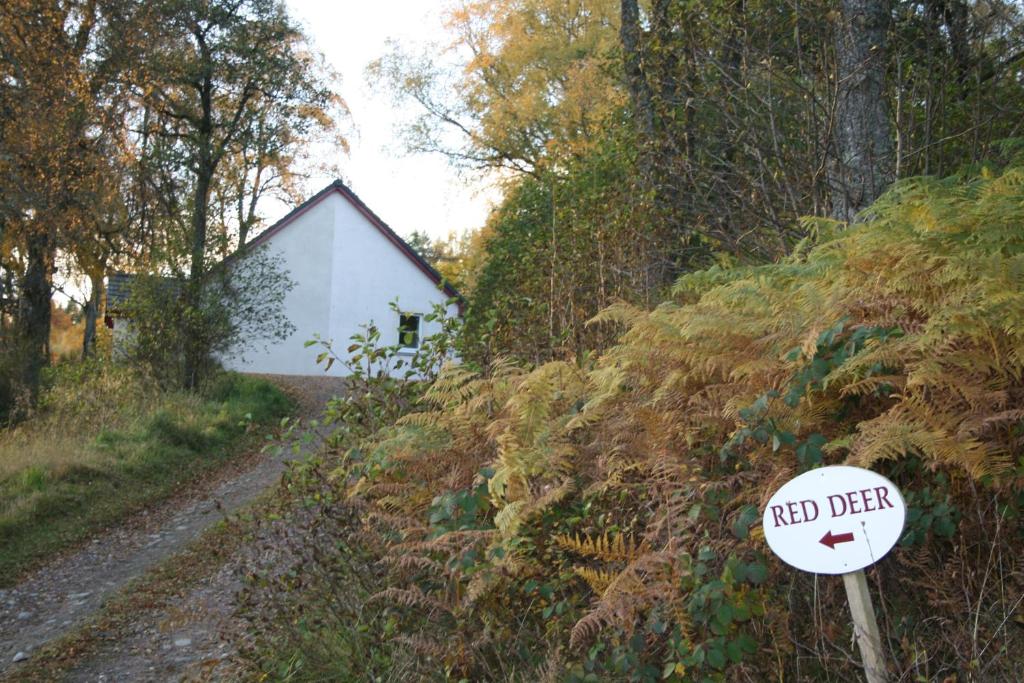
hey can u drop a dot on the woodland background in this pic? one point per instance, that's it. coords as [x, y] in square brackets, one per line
[736, 240]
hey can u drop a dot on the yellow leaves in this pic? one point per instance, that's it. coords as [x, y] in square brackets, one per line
[892, 436]
[873, 385]
[537, 66]
[621, 313]
[530, 439]
[507, 519]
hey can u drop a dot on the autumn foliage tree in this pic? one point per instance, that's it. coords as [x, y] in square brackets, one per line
[123, 123]
[728, 121]
[60, 68]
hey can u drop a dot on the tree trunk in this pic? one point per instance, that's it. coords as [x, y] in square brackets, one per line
[864, 144]
[34, 312]
[247, 214]
[639, 89]
[243, 222]
[206, 166]
[92, 311]
[199, 214]
[653, 78]
[193, 290]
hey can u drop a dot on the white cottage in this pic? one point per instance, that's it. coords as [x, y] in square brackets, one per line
[347, 266]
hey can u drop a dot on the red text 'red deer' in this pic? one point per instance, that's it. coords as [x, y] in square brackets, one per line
[839, 504]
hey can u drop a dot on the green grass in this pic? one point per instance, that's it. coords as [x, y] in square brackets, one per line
[105, 446]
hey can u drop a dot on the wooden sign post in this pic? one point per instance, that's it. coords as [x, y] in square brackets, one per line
[865, 627]
[838, 520]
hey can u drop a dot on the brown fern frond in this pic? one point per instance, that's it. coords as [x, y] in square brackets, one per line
[411, 597]
[408, 561]
[597, 579]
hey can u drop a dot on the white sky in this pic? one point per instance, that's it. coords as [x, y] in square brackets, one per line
[410, 192]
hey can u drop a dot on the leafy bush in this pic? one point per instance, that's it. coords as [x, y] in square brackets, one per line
[384, 381]
[179, 329]
[305, 599]
[599, 521]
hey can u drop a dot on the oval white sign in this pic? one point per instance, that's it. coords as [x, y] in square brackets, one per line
[834, 520]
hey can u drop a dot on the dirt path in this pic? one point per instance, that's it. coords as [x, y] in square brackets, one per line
[61, 595]
[64, 594]
[183, 640]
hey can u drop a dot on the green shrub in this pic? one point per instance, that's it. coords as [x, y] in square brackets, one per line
[168, 429]
[178, 328]
[250, 396]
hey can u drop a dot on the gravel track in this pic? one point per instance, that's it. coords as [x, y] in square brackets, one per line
[65, 593]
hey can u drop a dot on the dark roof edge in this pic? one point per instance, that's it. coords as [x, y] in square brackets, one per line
[375, 220]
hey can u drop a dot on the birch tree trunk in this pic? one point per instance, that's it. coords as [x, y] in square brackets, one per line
[863, 136]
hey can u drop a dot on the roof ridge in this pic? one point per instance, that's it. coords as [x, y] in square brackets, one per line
[339, 185]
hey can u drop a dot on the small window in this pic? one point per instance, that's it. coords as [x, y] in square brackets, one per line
[409, 330]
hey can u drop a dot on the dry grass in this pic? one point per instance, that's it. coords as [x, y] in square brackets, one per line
[105, 443]
[66, 334]
[75, 412]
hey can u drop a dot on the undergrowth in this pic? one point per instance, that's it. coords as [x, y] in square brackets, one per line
[105, 443]
[600, 520]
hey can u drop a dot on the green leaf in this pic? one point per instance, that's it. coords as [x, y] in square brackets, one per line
[757, 573]
[747, 517]
[746, 643]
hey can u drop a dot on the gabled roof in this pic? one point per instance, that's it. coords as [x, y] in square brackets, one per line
[375, 220]
[119, 289]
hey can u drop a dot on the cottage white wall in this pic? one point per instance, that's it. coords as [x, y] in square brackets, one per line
[370, 272]
[305, 246]
[346, 273]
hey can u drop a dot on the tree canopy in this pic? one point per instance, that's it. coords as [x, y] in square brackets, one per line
[142, 136]
[671, 136]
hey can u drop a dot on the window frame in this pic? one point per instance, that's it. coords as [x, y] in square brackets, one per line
[402, 346]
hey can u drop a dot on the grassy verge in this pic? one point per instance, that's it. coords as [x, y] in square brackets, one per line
[105, 445]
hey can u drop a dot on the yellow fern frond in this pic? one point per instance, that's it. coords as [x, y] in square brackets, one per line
[619, 548]
[597, 579]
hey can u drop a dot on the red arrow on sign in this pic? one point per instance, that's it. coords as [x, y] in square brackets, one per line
[831, 539]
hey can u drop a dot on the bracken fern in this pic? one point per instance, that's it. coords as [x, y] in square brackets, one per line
[623, 495]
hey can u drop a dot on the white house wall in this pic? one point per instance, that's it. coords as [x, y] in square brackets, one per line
[369, 273]
[346, 272]
[305, 248]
